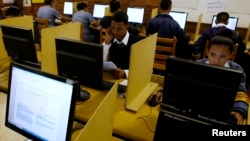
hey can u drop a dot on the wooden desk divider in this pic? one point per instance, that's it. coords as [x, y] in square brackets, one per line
[197, 31]
[25, 21]
[100, 125]
[247, 34]
[154, 12]
[140, 72]
[107, 11]
[70, 30]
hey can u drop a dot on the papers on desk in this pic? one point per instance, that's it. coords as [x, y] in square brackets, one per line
[108, 65]
[124, 82]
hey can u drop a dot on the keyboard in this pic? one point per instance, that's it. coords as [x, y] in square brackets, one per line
[107, 85]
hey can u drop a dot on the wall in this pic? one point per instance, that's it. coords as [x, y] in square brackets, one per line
[193, 7]
[235, 8]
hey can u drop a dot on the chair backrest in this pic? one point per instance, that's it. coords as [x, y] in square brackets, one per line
[102, 34]
[164, 47]
[42, 23]
[235, 48]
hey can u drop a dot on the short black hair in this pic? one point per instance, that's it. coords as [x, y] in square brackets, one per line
[120, 16]
[222, 17]
[81, 6]
[47, 2]
[222, 40]
[165, 4]
[13, 11]
[114, 5]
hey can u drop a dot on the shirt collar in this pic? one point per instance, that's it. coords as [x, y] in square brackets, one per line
[124, 40]
[226, 64]
[220, 25]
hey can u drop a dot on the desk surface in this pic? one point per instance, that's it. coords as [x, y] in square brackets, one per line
[135, 126]
[7, 134]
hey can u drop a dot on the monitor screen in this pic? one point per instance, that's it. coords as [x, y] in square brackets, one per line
[135, 14]
[189, 87]
[43, 110]
[19, 43]
[81, 61]
[99, 10]
[68, 8]
[179, 17]
[232, 22]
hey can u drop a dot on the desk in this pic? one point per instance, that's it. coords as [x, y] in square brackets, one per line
[127, 124]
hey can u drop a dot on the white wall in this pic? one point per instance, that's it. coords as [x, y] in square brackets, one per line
[236, 8]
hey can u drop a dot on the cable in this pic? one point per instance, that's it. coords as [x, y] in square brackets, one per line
[143, 118]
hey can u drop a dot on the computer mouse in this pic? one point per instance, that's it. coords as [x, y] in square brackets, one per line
[152, 102]
[84, 95]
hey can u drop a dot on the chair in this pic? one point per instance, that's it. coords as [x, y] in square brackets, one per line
[102, 34]
[235, 48]
[164, 47]
[40, 24]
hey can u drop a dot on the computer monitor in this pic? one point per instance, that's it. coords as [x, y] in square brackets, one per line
[19, 44]
[40, 106]
[81, 61]
[203, 91]
[180, 17]
[232, 22]
[68, 8]
[135, 14]
[99, 10]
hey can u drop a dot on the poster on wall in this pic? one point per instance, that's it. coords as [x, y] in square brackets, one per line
[37, 1]
[215, 6]
[26, 3]
[8, 1]
[191, 4]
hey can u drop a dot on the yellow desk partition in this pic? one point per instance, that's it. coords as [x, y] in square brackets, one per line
[154, 12]
[25, 21]
[196, 35]
[140, 72]
[48, 35]
[100, 125]
[197, 31]
[247, 35]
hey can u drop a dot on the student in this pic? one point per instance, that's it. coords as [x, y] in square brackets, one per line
[47, 11]
[221, 22]
[114, 6]
[13, 11]
[219, 52]
[167, 27]
[117, 44]
[242, 58]
[83, 16]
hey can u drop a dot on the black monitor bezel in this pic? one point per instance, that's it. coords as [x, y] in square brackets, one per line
[83, 51]
[75, 85]
[133, 22]
[21, 35]
[203, 73]
[182, 12]
[94, 10]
